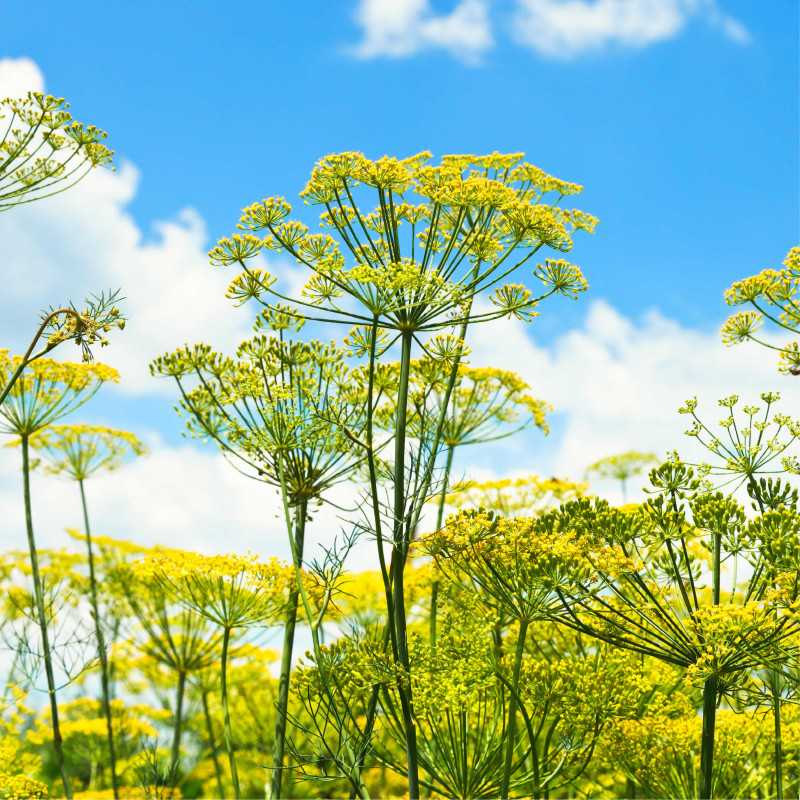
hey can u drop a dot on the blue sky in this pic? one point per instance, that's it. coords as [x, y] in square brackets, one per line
[680, 117]
[687, 147]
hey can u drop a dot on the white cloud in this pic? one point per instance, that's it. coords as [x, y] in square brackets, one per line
[86, 240]
[398, 28]
[569, 28]
[618, 383]
[18, 76]
[181, 496]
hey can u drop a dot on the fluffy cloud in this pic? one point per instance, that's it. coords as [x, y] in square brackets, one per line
[568, 28]
[560, 29]
[19, 76]
[617, 383]
[86, 240]
[177, 495]
[397, 28]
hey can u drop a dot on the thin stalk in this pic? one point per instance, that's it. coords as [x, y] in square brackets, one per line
[58, 744]
[29, 356]
[710, 694]
[439, 519]
[512, 709]
[226, 638]
[177, 730]
[290, 623]
[399, 546]
[212, 744]
[101, 646]
[707, 743]
[776, 717]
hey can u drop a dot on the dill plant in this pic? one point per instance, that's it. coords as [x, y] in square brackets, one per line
[289, 414]
[772, 297]
[78, 452]
[667, 597]
[622, 467]
[44, 392]
[172, 636]
[232, 593]
[423, 242]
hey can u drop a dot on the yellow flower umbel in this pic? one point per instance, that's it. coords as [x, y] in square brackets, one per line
[747, 448]
[80, 451]
[281, 409]
[622, 467]
[175, 639]
[232, 592]
[43, 392]
[521, 567]
[510, 497]
[665, 587]
[437, 236]
[661, 754]
[43, 150]
[47, 391]
[773, 295]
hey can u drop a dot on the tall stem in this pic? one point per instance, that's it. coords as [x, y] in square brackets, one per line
[776, 717]
[710, 691]
[101, 645]
[439, 519]
[177, 729]
[212, 743]
[290, 623]
[400, 549]
[511, 734]
[38, 594]
[226, 639]
[707, 743]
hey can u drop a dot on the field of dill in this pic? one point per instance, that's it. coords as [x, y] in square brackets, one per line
[513, 637]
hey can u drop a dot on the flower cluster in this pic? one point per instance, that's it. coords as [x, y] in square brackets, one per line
[43, 150]
[416, 265]
[773, 295]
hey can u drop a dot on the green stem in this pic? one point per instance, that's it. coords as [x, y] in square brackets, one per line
[717, 568]
[38, 593]
[710, 692]
[101, 645]
[29, 356]
[512, 710]
[177, 729]
[399, 545]
[212, 744]
[776, 716]
[439, 519]
[290, 623]
[226, 638]
[707, 743]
